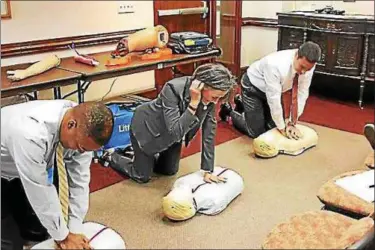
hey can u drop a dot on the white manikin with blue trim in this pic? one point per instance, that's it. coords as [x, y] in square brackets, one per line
[191, 194]
[100, 237]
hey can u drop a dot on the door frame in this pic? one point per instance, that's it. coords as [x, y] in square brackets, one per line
[236, 66]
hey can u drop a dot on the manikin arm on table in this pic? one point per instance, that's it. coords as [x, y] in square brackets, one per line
[35, 69]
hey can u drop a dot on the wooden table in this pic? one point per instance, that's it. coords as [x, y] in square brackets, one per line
[53, 78]
[90, 73]
[69, 72]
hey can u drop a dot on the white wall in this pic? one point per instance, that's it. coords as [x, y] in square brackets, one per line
[257, 42]
[34, 20]
[266, 9]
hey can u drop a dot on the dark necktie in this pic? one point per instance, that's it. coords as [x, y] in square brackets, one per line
[289, 103]
[294, 108]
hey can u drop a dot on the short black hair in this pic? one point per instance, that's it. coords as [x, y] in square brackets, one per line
[311, 51]
[97, 121]
[215, 75]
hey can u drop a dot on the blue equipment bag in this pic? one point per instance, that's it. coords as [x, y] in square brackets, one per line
[120, 139]
[122, 114]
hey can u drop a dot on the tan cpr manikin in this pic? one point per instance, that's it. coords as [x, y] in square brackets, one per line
[37, 68]
[151, 38]
[272, 142]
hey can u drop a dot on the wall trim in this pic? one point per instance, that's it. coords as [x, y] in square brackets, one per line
[260, 22]
[53, 44]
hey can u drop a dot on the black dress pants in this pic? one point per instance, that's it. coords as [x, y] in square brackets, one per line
[19, 223]
[256, 118]
[141, 167]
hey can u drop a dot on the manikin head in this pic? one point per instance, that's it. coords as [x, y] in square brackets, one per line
[218, 82]
[306, 57]
[86, 127]
[178, 205]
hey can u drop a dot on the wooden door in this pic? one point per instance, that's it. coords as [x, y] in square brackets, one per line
[229, 38]
[178, 23]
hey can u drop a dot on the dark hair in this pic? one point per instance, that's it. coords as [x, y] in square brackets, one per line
[311, 51]
[97, 121]
[216, 76]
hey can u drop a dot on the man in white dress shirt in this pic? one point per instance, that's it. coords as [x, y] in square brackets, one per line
[260, 107]
[31, 134]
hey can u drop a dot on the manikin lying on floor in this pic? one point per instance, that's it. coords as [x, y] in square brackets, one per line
[272, 142]
[100, 237]
[191, 194]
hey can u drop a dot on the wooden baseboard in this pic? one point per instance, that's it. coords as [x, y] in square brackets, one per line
[151, 94]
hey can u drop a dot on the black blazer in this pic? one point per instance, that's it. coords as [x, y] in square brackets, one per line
[166, 120]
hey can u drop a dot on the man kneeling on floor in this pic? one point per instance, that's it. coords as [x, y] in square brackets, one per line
[184, 105]
[262, 86]
[32, 133]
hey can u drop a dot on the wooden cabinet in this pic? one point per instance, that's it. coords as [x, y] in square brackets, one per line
[371, 57]
[347, 42]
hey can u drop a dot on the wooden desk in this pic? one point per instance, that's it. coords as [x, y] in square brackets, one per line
[50, 79]
[69, 72]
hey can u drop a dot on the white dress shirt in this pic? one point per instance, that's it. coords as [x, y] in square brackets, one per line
[273, 74]
[30, 134]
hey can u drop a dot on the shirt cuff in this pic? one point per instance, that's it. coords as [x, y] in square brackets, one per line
[75, 225]
[281, 125]
[203, 171]
[60, 234]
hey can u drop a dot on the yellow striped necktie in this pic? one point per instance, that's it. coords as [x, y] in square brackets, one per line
[63, 182]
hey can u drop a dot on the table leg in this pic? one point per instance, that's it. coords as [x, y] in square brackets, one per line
[81, 96]
[57, 92]
[82, 86]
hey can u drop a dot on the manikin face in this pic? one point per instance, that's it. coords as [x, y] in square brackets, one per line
[178, 205]
[302, 65]
[210, 95]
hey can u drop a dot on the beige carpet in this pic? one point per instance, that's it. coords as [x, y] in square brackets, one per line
[275, 189]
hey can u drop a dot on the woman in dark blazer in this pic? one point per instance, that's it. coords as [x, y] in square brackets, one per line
[160, 126]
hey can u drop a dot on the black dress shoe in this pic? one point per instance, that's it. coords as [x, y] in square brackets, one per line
[239, 105]
[225, 110]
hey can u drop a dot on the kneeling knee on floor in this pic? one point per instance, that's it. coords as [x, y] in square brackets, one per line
[143, 180]
[166, 172]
